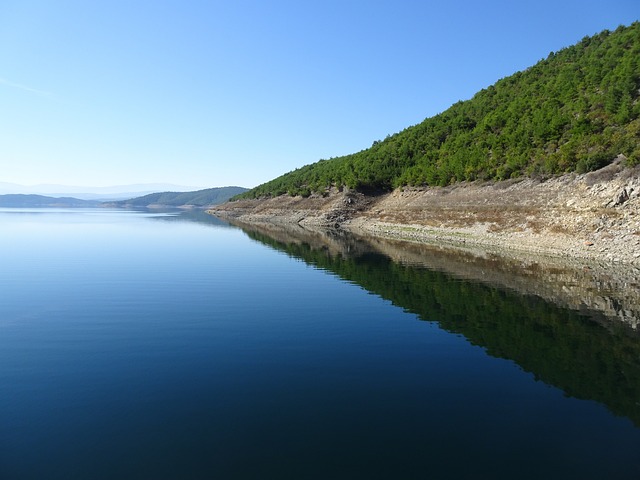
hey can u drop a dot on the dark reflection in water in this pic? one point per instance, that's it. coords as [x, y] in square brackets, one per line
[586, 344]
[169, 345]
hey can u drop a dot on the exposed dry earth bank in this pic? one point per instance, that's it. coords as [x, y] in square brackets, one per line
[591, 216]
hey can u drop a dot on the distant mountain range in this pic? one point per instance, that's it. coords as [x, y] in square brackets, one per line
[116, 192]
[18, 200]
[199, 198]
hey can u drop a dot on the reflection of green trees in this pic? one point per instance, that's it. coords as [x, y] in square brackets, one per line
[576, 110]
[559, 346]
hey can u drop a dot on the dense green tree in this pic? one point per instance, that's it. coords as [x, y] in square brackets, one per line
[576, 110]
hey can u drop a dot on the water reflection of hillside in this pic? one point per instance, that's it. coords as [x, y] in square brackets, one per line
[610, 296]
[574, 328]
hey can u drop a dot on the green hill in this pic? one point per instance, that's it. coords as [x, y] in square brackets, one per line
[576, 110]
[199, 198]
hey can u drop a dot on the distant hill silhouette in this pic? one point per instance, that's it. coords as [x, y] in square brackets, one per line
[39, 201]
[199, 198]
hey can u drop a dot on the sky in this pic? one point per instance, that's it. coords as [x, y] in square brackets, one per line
[215, 93]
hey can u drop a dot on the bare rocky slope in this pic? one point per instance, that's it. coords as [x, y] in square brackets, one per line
[592, 216]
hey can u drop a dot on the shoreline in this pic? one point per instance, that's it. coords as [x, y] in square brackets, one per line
[590, 217]
[609, 296]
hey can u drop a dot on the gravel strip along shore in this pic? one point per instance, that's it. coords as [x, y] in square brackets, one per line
[594, 216]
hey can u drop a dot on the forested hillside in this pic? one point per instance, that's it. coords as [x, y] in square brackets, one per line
[199, 198]
[576, 110]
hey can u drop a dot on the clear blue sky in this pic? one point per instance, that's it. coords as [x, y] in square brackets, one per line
[212, 93]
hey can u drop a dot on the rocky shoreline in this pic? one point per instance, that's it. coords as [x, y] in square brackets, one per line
[591, 217]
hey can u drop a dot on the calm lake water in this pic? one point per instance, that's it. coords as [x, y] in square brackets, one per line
[174, 346]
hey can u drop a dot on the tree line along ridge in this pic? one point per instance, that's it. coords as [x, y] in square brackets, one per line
[574, 111]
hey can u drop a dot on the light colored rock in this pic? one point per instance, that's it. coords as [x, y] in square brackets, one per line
[552, 217]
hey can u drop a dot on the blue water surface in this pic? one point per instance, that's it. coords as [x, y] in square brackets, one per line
[161, 345]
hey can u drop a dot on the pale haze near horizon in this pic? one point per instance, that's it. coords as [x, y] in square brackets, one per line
[209, 93]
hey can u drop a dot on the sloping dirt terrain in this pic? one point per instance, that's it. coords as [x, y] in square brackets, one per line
[594, 215]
